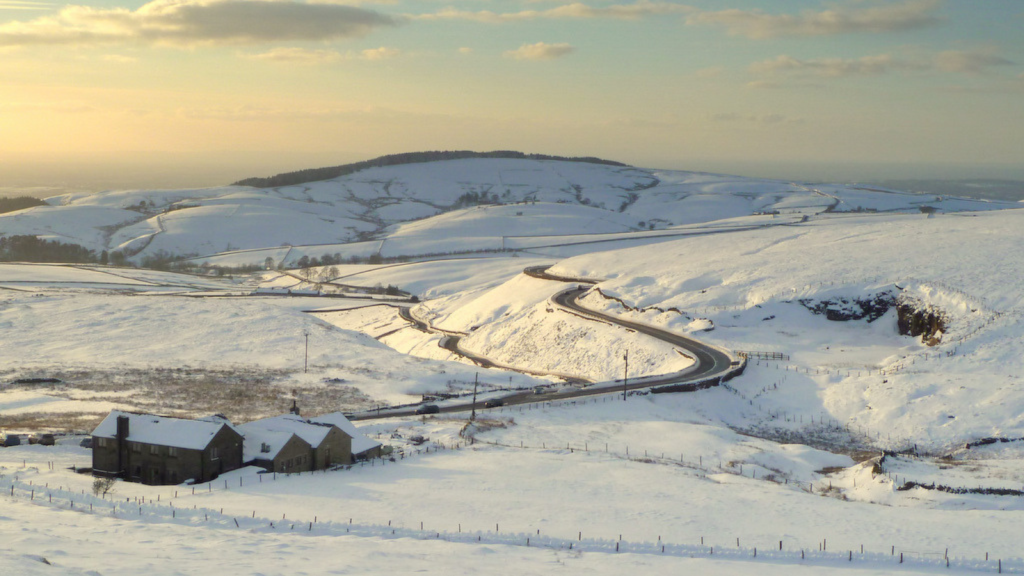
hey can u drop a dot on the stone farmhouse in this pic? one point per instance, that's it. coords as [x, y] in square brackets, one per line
[162, 450]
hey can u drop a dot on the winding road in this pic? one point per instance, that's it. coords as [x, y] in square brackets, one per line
[712, 365]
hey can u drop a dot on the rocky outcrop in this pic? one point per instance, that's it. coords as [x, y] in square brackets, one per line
[914, 318]
[917, 319]
[844, 309]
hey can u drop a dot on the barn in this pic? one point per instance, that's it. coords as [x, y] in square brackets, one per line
[290, 443]
[363, 447]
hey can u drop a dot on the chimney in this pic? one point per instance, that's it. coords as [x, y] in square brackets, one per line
[121, 444]
[295, 408]
[122, 428]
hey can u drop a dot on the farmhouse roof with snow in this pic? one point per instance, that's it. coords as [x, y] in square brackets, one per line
[263, 444]
[161, 430]
[313, 433]
[360, 443]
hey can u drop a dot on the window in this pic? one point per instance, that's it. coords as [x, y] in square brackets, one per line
[136, 447]
[213, 453]
[101, 442]
[172, 452]
[153, 449]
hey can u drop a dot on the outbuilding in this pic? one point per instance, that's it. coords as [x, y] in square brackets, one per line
[363, 447]
[290, 443]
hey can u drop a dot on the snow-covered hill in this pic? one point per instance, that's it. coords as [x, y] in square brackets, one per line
[768, 290]
[428, 208]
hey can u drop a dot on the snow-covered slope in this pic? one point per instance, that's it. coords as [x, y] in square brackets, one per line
[143, 339]
[431, 208]
[758, 288]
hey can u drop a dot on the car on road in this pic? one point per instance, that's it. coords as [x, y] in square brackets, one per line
[540, 390]
[494, 403]
[428, 409]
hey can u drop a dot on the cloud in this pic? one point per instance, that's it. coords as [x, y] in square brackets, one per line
[196, 22]
[952, 61]
[829, 67]
[733, 117]
[118, 58]
[293, 55]
[24, 5]
[854, 18]
[969, 61]
[540, 51]
[381, 53]
[635, 11]
[763, 85]
[296, 56]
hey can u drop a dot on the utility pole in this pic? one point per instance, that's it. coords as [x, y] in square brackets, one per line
[476, 380]
[625, 376]
[305, 361]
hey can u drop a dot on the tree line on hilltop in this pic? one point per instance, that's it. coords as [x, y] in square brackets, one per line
[318, 174]
[19, 203]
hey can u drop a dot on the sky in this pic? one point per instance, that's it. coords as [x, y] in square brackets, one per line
[216, 90]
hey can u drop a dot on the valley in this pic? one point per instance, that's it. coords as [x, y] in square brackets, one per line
[845, 441]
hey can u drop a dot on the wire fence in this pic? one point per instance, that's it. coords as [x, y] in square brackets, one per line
[781, 552]
[240, 481]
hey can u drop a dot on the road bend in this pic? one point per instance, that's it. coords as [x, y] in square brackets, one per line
[709, 361]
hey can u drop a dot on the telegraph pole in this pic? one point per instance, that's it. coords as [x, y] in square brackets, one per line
[305, 361]
[625, 376]
[476, 380]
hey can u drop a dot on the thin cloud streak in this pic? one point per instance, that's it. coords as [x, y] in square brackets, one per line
[184, 23]
[540, 51]
[758, 25]
[969, 62]
[972, 62]
[24, 5]
[292, 55]
[577, 10]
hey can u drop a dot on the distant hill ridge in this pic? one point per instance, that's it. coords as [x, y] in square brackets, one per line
[318, 174]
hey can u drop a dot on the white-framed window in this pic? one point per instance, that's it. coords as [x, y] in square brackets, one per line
[213, 453]
[154, 449]
[101, 442]
[172, 451]
[136, 447]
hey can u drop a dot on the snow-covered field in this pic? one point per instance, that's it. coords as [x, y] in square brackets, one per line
[136, 339]
[562, 487]
[789, 452]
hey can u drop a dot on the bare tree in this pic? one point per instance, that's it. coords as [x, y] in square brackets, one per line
[103, 486]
